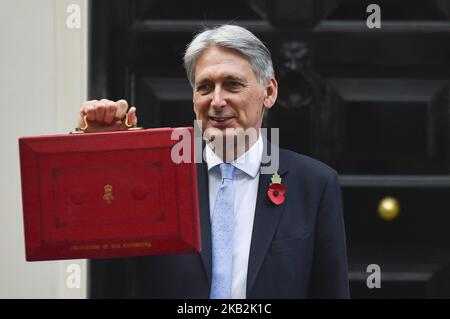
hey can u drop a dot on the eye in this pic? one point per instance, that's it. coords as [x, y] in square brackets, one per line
[233, 85]
[204, 88]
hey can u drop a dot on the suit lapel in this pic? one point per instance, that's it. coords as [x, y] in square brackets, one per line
[267, 216]
[205, 222]
[265, 222]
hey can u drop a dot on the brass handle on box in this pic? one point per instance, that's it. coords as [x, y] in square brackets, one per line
[85, 126]
[388, 208]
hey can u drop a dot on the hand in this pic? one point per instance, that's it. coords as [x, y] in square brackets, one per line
[106, 115]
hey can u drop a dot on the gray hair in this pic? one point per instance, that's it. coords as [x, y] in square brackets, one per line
[235, 38]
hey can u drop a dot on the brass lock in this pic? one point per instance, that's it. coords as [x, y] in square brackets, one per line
[388, 208]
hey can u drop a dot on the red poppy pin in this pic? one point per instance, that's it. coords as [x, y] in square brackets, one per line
[276, 190]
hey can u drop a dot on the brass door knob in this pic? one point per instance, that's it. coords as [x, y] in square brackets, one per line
[388, 208]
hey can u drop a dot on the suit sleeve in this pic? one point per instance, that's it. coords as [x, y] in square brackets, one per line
[329, 276]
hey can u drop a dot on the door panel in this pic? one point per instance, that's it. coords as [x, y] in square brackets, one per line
[372, 103]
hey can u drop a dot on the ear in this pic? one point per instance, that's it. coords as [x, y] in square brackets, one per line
[193, 101]
[271, 93]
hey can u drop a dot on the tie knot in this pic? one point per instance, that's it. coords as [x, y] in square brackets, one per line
[227, 171]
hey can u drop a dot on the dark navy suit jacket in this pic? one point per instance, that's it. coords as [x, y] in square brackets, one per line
[298, 249]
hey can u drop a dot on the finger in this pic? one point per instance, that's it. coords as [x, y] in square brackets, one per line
[111, 109]
[122, 107]
[100, 112]
[86, 105]
[90, 112]
[100, 109]
[81, 118]
[132, 118]
[87, 108]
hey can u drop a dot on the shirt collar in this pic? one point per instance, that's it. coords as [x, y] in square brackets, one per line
[249, 162]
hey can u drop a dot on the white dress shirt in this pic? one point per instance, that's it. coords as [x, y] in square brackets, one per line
[246, 190]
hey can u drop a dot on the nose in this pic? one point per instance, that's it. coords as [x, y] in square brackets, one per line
[218, 100]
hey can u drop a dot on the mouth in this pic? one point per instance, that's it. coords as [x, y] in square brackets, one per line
[221, 121]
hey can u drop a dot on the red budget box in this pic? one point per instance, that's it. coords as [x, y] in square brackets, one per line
[104, 195]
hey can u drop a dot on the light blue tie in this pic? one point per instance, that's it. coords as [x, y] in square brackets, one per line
[222, 235]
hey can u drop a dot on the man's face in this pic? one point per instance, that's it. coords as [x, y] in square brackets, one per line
[227, 93]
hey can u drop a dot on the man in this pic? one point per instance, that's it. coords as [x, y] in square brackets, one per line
[253, 246]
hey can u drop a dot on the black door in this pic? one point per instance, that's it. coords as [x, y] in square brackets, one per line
[371, 102]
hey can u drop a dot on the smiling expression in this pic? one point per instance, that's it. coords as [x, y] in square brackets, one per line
[227, 93]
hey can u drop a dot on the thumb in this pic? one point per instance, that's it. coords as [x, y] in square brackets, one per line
[132, 118]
